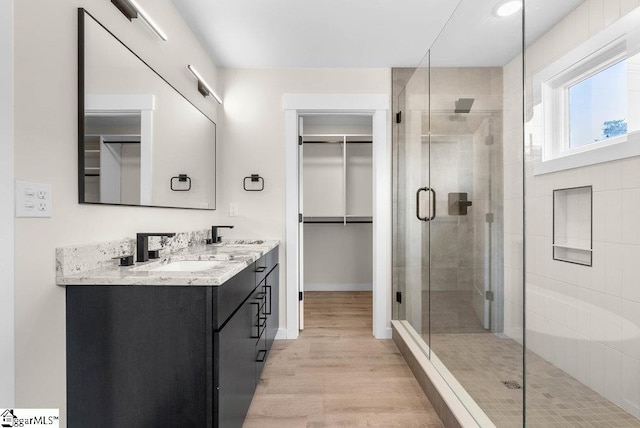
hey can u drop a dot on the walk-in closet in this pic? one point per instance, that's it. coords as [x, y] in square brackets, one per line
[336, 201]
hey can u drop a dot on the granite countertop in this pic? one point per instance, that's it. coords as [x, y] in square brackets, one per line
[232, 257]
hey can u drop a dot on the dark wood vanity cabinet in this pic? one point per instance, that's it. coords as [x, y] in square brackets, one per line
[166, 356]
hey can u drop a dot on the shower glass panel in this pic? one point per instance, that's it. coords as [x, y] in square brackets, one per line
[414, 201]
[459, 294]
[583, 311]
[476, 298]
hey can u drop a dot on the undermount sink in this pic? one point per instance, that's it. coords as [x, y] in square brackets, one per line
[188, 266]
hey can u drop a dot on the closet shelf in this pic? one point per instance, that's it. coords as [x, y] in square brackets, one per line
[337, 220]
[337, 138]
[336, 135]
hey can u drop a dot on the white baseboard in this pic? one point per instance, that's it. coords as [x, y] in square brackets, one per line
[388, 333]
[281, 334]
[338, 287]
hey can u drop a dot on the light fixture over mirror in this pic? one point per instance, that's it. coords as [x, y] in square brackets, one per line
[203, 86]
[131, 9]
[136, 131]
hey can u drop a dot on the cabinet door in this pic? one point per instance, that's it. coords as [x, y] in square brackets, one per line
[137, 356]
[261, 297]
[272, 285]
[235, 348]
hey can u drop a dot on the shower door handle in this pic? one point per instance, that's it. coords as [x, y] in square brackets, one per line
[433, 215]
[433, 212]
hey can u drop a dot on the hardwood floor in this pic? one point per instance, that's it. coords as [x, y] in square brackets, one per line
[337, 374]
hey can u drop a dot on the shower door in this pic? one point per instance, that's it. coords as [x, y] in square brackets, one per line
[413, 208]
[447, 186]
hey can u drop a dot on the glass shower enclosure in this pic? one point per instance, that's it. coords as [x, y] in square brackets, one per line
[521, 333]
[449, 215]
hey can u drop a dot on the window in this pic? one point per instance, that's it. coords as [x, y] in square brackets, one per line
[586, 105]
[598, 106]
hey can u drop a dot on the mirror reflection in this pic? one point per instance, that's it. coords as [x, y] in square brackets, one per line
[141, 141]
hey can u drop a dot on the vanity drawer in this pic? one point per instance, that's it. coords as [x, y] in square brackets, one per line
[229, 296]
[265, 264]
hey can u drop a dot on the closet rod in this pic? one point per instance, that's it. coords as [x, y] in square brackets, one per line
[338, 222]
[336, 142]
[336, 135]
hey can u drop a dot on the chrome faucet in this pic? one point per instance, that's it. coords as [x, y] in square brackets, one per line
[142, 245]
[214, 234]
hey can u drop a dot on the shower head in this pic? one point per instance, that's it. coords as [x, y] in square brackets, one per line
[463, 105]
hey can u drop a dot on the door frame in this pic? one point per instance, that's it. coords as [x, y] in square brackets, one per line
[7, 257]
[378, 106]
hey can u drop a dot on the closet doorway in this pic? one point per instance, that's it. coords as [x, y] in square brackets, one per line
[376, 108]
[336, 203]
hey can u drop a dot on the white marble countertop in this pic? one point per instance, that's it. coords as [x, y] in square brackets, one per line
[233, 257]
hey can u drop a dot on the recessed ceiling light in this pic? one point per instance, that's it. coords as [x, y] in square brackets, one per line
[508, 8]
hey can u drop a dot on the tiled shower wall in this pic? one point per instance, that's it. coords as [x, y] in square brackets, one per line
[585, 320]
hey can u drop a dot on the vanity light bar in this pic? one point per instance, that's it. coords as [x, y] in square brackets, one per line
[203, 87]
[131, 9]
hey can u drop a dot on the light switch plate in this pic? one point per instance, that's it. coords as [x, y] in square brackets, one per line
[33, 199]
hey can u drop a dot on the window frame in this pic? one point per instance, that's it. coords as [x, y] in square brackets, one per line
[551, 86]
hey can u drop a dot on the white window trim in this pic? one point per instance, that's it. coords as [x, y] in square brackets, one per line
[550, 87]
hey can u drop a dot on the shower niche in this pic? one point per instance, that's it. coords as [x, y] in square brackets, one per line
[572, 225]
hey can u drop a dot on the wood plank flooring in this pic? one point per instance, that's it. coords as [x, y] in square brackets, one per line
[337, 374]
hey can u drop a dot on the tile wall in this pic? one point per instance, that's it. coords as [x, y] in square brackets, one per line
[585, 320]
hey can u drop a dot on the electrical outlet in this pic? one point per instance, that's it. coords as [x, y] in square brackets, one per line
[233, 209]
[33, 199]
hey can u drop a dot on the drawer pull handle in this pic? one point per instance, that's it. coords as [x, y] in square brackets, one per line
[260, 359]
[261, 269]
[257, 336]
[268, 288]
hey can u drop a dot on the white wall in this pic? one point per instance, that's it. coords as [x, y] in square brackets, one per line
[7, 350]
[254, 136]
[585, 320]
[338, 257]
[45, 151]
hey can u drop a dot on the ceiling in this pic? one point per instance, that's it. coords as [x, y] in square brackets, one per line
[362, 33]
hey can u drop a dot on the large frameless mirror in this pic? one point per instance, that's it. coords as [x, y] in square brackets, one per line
[141, 142]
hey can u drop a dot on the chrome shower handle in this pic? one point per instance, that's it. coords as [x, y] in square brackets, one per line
[433, 212]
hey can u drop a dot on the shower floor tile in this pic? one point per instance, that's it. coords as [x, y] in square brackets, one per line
[481, 362]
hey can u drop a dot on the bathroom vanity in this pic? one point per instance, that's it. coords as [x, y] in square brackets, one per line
[180, 341]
